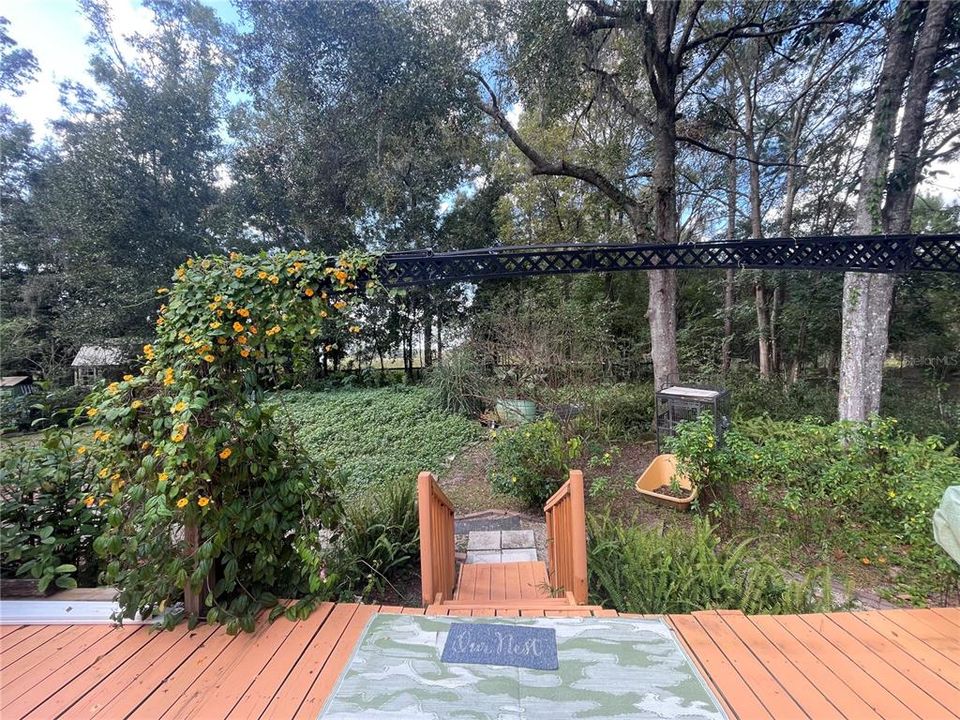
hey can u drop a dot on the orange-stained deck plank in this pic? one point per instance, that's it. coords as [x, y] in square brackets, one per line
[935, 623]
[528, 581]
[765, 686]
[723, 676]
[10, 629]
[847, 700]
[892, 681]
[922, 651]
[411, 611]
[49, 677]
[806, 694]
[924, 681]
[16, 634]
[952, 614]
[228, 678]
[298, 682]
[100, 662]
[261, 691]
[883, 702]
[181, 678]
[27, 645]
[498, 590]
[482, 583]
[129, 685]
[49, 657]
[511, 581]
[460, 612]
[317, 695]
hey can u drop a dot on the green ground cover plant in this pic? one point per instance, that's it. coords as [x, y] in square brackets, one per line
[377, 436]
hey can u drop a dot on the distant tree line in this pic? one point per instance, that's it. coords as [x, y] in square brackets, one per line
[398, 125]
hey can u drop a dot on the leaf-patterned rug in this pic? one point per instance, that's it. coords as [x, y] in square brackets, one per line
[609, 668]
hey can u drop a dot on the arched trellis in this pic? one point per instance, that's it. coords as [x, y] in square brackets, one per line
[870, 253]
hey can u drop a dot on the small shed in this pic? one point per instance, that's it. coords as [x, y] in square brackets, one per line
[12, 386]
[94, 362]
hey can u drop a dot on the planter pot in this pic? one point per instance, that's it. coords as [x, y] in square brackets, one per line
[656, 480]
[23, 587]
[516, 411]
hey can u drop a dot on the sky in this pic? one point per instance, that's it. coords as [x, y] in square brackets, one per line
[56, 33]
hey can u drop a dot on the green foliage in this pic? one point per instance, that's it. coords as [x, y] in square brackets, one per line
[40, 410]
[458, 383]
[637, 569]
[712, 466]
[208, 490]
[50, 512]
[617, 412]
[378, 436]
[379, 541]
[532, 461]
[868, 490]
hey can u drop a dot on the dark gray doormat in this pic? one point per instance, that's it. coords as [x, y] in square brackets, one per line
[486, 520]
[609, 668]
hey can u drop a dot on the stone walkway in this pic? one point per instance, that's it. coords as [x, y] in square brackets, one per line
[501, 546]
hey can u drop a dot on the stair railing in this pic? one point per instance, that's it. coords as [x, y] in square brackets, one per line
[567, 538]
[437, 561]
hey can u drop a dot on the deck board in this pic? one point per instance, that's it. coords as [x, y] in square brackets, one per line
[500, 582]
[877, 664]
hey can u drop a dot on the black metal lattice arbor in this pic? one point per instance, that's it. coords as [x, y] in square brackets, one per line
[860, 253]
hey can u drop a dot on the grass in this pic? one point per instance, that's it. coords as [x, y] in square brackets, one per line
[377, 436]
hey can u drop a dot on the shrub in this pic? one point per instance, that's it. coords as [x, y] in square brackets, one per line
[379, 541]
[637, 569]
[53, 408]
[866, 489]
[714, 467]
[50, 512]
[617, 412]
[457, 382]
[532, 461]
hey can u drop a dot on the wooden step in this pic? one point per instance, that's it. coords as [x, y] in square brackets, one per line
[500, 582]
[452, 607]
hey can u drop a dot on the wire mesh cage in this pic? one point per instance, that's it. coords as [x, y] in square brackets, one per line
[681, 403]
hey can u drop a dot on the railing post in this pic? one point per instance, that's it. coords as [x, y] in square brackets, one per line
[424, 506]
[578, 537]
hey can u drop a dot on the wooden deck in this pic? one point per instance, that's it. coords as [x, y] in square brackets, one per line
[883, 664]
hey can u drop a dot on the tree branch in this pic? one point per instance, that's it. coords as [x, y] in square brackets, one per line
[732, 156]
[544, 166]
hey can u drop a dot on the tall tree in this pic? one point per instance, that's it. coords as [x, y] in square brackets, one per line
[624, 68]
[916, 45]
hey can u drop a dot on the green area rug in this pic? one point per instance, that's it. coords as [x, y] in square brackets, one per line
[609, 668]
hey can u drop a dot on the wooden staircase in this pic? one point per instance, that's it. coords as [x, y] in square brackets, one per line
[519, 588]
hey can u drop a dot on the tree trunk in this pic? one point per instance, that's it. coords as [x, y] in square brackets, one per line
[662, 300]
[730, 275]
[868, 298]
[439, 338]
[427, 339]
[763, 328]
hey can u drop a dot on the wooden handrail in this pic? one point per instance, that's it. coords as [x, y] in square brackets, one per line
[567, 538]
[437, 561]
